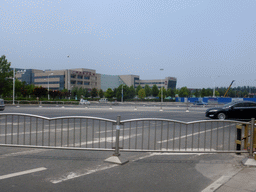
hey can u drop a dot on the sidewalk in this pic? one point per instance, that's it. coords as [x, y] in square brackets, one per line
[244, 180]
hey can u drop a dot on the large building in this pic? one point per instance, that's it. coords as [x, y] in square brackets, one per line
[86, 78]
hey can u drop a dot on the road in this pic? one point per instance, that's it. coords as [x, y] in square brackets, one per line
[69, 170]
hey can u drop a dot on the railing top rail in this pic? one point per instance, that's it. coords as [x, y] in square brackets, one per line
[176, 121]
[55, 118]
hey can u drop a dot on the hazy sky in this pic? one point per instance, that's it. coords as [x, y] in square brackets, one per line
[196, 41]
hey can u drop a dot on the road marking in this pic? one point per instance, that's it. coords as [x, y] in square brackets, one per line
[22, 173]
[221, 181]
[73, 175]
[176, 138]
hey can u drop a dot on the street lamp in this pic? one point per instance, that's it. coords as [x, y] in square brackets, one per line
[48, 85]
[13, 86]
[214, 86]
[122, 93]
[161, 91]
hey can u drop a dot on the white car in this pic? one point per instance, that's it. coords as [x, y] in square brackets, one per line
[84, 102]
[2, 106]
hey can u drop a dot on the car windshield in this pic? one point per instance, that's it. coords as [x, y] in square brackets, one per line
[229, 104]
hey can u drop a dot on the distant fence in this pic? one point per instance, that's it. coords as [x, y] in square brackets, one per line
[213, 100]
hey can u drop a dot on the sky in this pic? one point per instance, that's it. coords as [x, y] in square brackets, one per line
[200, 42]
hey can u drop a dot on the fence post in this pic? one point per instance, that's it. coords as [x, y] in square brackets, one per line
[251, 137]
[116, 157]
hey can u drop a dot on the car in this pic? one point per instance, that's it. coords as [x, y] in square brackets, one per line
[114, 103]
[233, 110]
[2, 106]
[84, 102]
[103, 100]
[200, 103]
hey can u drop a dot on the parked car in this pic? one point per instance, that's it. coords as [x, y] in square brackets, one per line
[236, 110]
[2, 106]
[84, 102]
[200, 103]
[103, 100]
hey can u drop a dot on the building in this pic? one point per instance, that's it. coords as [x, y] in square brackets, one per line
[86, 78]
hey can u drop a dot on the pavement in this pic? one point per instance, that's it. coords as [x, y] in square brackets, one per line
[241, 180]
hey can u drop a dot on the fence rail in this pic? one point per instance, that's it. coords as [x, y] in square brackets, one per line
[146, 134]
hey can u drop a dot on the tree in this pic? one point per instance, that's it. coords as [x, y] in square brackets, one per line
[197, 93]
[5, 76]
[170, 92]
[184, 92]
[101, 93]
[40, 91]
[203, 92]
[142, 94]
[155, 91]
[132, 92]
[94, 92]
[74, 92]
[137, 89]
[109, 93]
[20, 88]
[160, 93]
[147, 90]
[64, 93]
[126, 91]
[54, 93]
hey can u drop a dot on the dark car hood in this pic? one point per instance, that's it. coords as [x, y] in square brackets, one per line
[215, 108]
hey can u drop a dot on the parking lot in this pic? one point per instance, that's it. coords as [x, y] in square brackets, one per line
[70, 170]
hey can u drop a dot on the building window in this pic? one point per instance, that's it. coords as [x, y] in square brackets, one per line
[79, 83]
[73, 76]
[86, 83]
[73, 82]
[79, 77]
[85, 77]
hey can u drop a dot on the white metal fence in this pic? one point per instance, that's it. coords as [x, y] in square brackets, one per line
[145, 134]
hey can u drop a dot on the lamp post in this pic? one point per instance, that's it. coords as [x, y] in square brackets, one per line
[161, 91]
[122, 93]
[48, 85]
[213, 95]
[13, 86]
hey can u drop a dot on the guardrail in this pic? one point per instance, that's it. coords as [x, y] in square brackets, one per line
[134, 135]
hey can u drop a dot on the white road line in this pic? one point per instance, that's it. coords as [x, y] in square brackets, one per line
[196, 133]
[22, 173]
[73, 175]
[221, 181]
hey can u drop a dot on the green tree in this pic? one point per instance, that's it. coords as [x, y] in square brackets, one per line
[137, 89]
[184, 92]
[203, 92]
[74, 92]
[101, 93]
[5, 76]
[94, 92]
[217, 94]
[147, 90]
[132, 92]
[86, 93]
[54, 93]
[20, 88]
[155, 91]
[64, 93]
[126, 91]
[170, 92]
[109, 93]
[40, 91]
[160, 93]
[142, 93]
[197, 93]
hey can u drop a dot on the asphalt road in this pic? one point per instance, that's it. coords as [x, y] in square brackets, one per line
[69, 170]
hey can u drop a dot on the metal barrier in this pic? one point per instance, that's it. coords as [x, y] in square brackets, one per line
[134, 135]
[76, 132]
